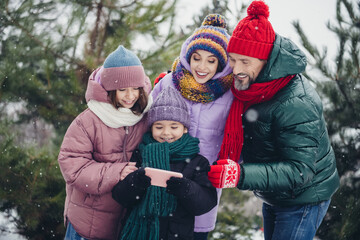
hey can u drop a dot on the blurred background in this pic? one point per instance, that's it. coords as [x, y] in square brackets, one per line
[49, 48]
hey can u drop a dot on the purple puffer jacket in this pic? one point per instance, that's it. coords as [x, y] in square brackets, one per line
[91, 159]
[207, 123]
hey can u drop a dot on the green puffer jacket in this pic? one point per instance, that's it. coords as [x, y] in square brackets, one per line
[287, 156]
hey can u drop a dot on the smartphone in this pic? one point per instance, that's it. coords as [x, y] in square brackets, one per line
[160, 176]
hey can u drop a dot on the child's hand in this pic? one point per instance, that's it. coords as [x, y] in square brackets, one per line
[129, 168]
[138, 180]
[178, 186]
[136, 157]
[131, 190]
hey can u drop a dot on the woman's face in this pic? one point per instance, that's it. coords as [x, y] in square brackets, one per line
[203, 65]
[127, 97]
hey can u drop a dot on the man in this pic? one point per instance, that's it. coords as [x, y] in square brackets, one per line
[277, 126]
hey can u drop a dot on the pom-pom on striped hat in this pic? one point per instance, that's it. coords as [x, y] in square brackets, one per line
[212, 36]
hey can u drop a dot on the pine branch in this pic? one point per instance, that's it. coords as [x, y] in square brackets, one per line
[108, 4]
[41, 44]
[313, 51]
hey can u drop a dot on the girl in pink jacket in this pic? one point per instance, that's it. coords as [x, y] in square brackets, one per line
[98, 145]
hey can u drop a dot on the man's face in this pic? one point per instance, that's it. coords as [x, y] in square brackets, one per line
[245, 70]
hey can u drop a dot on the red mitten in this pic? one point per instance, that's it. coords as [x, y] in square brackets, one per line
[161, 75]
[225, 174]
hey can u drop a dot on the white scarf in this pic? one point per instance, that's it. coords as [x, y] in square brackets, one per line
[116, 118]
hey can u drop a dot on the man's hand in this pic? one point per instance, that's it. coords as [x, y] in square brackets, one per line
[225, 173]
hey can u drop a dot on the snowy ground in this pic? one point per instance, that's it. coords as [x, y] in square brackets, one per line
[255, 235]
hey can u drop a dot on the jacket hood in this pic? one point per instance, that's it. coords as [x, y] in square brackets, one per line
[94, 90]
[285, 59]
[225, 71]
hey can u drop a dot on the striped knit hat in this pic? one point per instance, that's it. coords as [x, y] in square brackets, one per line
[122, 69]
[212, 36]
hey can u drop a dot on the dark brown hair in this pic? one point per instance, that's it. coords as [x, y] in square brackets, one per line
[138, 107]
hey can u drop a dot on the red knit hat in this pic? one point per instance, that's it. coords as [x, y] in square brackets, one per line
[254, 35]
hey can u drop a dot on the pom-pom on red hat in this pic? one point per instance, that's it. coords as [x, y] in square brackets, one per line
[253, 35]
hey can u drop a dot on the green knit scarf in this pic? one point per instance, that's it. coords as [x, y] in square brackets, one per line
[143, 222]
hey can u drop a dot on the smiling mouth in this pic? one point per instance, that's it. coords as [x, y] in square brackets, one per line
[128, 102]
[241, 76]
[167, 139]
[201, 74]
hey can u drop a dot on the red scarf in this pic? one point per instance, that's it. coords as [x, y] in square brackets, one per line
[234, 133]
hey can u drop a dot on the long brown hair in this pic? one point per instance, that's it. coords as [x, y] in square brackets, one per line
[138, 107]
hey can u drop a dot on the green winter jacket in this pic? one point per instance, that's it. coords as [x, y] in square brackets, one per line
[287, 156]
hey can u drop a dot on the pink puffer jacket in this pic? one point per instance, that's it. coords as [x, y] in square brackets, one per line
[91, 159]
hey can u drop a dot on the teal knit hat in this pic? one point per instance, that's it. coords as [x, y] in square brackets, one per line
[122, 69]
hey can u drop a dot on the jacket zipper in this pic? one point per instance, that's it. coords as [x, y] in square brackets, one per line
[124, 145]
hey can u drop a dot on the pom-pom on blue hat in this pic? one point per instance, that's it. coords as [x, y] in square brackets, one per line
[122, 69]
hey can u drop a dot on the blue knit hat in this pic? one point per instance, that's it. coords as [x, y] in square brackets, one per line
[171, 106]
[122, 69]
[212, 36]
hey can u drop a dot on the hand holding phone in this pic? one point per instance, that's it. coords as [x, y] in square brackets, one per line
[179, 187]
[160, 176]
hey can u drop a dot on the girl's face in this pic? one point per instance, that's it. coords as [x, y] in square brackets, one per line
[167, 131]
[203, 65]
[127, 97]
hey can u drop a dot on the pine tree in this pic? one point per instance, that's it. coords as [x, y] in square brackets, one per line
[341, 94]
[54, 49]
[31, 183]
